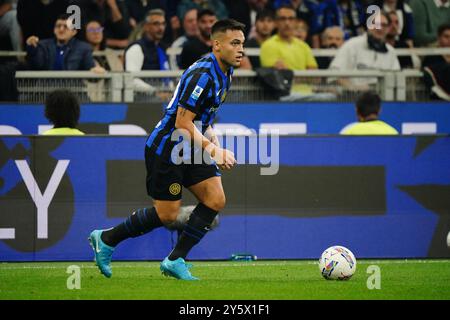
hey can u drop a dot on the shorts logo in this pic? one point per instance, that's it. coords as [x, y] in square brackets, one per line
[197, 92]
[175, 189]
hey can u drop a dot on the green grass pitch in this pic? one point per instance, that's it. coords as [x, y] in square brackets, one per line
[261, 280]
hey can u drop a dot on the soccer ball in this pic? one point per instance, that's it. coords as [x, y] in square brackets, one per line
[337, 263]
[448, 239]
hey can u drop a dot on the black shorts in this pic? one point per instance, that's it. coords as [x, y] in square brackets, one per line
[165, 180]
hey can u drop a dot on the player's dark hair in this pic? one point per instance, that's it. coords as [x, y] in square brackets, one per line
[62, 109]
[205, 12]
[368, 103]
[442, 28]
[227, 24]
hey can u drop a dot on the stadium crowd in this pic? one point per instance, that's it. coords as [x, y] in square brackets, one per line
[284, 30]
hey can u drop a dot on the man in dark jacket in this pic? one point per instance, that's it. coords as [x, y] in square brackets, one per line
[63, 52]
[200, 45]
[437, 68]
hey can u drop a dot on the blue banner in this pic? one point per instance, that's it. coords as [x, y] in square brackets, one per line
[381, 197]
[294, 118]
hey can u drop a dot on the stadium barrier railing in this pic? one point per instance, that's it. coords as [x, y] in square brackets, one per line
[311, 85]
[33, 86]
[158, 86]
[411, 87]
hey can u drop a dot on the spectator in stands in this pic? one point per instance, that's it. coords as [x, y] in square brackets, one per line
[347, 14]
[138, 9]
[113, 15]
[190, 28]
[264, 26]
[148, 53]
[395, 41]
[428, 16]
[308, 12]
[38, 17]
[443, 42]
[94, 36]
[62, 109]
[368, 108]
[9, 26]
[63, 52]
[301, 30]
[405, 20]
[284, 50]
[245, 12]
[332, 38]
[201, 44]
[217, 6]
[367, 52]
[253, 8]
[437, 68]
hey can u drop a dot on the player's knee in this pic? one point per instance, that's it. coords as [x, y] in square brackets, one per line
[168, 216]
[167, 213]
[216, 203]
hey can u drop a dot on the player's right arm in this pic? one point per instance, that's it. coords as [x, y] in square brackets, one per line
[185, 121]
[192, 104]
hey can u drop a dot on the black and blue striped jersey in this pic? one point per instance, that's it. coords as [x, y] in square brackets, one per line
[202, 89]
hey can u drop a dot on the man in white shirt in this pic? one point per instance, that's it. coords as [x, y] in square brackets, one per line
[148, 53]
[367, 52]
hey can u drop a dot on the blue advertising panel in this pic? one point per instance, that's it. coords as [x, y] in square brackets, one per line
[309, 117]
[383, 197]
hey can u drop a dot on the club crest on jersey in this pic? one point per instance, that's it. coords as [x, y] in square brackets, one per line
[197, 92]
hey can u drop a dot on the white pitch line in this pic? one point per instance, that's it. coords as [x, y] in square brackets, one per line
[4, 266]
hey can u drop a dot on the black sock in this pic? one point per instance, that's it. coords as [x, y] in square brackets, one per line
[198, 225]
[140, 222]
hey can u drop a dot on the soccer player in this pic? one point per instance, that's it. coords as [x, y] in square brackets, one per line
[199, 93]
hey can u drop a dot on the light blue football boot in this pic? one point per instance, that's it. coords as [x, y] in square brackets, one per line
[102, 252]
[178, 269]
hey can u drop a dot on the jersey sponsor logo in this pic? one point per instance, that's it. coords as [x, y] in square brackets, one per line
[197, 92]
[175, 188]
